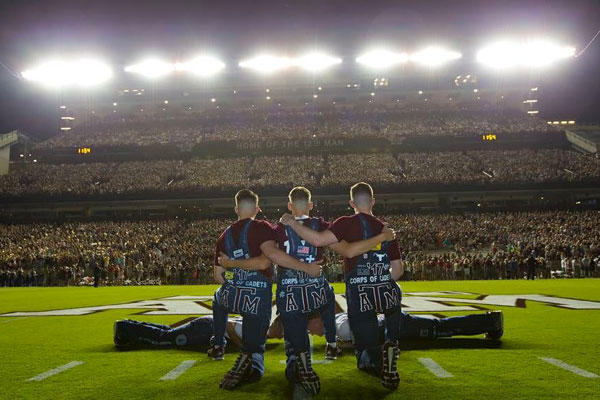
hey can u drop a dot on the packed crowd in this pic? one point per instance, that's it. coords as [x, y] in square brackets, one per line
[434, 246]
[391, 123]
[508, 245]
[197, 175]
[167, 252]
[504, 166]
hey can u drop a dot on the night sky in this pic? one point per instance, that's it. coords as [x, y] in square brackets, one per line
[124, 30]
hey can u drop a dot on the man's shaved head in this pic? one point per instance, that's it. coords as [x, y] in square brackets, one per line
[246, 199]
[299, 201]
[299, 194]
[361, 194]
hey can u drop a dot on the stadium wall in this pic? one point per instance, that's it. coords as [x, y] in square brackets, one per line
[224, 149]
[274, 206]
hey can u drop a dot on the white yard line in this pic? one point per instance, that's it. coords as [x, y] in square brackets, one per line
[55, 371]
[178, 370]
[322, 361]
[12, 319]
[569, 367]
[435, 368]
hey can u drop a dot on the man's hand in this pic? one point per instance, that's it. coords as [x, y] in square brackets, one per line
[389, 233]
[314, 269]
[259, 263]
[287, 219]
[224, 261]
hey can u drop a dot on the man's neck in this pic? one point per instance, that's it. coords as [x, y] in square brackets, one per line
[300, 215]
[242, 216]
[364, 211]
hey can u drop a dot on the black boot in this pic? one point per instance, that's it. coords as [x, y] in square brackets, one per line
[490, 324]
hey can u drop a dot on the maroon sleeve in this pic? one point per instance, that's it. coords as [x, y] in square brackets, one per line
[393, 250]
[339, 228]
[264, 232]
[220, 247]
[323, 225]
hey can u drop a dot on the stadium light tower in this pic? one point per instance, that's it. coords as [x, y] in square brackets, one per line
[382, 59]
[266, 63]
[316, 61]
[434, 56]
[151, 68]
[203, 66]
[82, 72]
[504, 55]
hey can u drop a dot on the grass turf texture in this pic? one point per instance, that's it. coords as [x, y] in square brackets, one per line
[482, 370]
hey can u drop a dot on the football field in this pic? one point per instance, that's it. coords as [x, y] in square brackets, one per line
[56, 343]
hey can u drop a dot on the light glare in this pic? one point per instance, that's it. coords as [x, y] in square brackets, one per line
[435, 56]
[151, 68]
[81, 72]
[201, 66]
[266, 63]
[532, 54]
[382, 59]
[316, 61]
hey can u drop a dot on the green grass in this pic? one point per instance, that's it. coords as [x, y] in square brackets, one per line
[29, 346]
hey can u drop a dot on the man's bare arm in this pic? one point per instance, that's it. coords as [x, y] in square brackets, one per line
[270, 249]
[218, 274]
[350, 250]
[396, 269]
[251, 264]
[319, 239]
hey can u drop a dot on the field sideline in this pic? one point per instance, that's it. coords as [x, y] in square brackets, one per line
[481, 369]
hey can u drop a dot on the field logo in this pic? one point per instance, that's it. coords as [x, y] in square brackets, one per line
[421, 302]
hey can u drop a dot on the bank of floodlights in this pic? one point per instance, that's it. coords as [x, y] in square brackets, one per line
[381, 59]
[434, 56]
[313, 62]
[500, 55]
[316, 62]
[266, 63]
[203, 66]
[507, 54]
[84, 72]
[151, 68]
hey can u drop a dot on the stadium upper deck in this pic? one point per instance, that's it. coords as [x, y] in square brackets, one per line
[186, 129]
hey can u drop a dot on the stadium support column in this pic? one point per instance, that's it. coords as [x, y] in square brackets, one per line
[4, 157]
[5, 142]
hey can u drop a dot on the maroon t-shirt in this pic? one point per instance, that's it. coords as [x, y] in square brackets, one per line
[282, 235]
[349, 228]
[258, 233]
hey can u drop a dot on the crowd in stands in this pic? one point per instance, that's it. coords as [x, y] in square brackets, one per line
[167, 252]
[501, 245]
[506, 166]
[393, 124]
[567, 243]
[197, 175]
